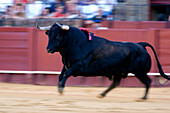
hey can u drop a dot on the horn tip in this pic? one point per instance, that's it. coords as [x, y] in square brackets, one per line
[65, 27]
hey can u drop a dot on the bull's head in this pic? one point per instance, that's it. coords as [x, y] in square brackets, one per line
[55, 36]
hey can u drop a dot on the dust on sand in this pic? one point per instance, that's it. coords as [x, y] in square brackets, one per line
[22, 98]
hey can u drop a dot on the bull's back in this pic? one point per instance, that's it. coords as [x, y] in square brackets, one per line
[108, 57]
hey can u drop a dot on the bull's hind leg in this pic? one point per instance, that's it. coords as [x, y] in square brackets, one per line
[145, 80]
[116, 82]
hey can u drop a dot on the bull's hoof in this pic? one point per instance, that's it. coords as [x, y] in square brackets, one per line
[60, 90]
[100, 96]
[140, 100]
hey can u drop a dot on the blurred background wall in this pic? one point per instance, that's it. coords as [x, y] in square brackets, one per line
[23, 47]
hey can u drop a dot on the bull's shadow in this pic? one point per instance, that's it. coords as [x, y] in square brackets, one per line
[84, 54]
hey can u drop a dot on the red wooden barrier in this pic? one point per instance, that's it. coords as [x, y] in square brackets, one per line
[163, 48]
[134, 25]
[44, 61]
[15, 48]
[25, 49]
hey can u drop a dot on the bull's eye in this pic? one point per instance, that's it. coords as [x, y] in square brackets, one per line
[58, 37]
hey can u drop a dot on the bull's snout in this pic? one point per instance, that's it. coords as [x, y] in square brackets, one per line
[50, 51]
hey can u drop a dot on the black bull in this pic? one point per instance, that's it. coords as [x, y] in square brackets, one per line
[99, 57]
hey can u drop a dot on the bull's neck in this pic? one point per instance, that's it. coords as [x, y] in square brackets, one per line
[69, 45]
[74, 39]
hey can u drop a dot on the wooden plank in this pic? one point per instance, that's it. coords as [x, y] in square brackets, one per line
[13, 44]
[151, 24]
[164, 34]
[164, 60]
[164, 43]
[125, 25]
[166, 68]
[133, 25]
[9, 59]
[13, 66]
[14, 35]
[13, 52]
[15, 29]
[164, 52]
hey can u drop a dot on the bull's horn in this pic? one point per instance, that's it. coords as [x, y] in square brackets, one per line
[43, 28]
[63, 27]
[59, 24]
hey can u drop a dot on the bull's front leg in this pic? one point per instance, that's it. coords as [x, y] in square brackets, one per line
[61, 75]
[74, 69]
[61, 84]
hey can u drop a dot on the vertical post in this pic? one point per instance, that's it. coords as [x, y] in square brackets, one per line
[153, 39]
[32, 54]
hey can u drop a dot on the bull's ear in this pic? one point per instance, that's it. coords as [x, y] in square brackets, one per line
[47, 32]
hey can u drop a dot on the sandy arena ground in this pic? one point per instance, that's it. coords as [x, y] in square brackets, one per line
[21, 98]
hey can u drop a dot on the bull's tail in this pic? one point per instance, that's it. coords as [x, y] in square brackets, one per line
[145, 44]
